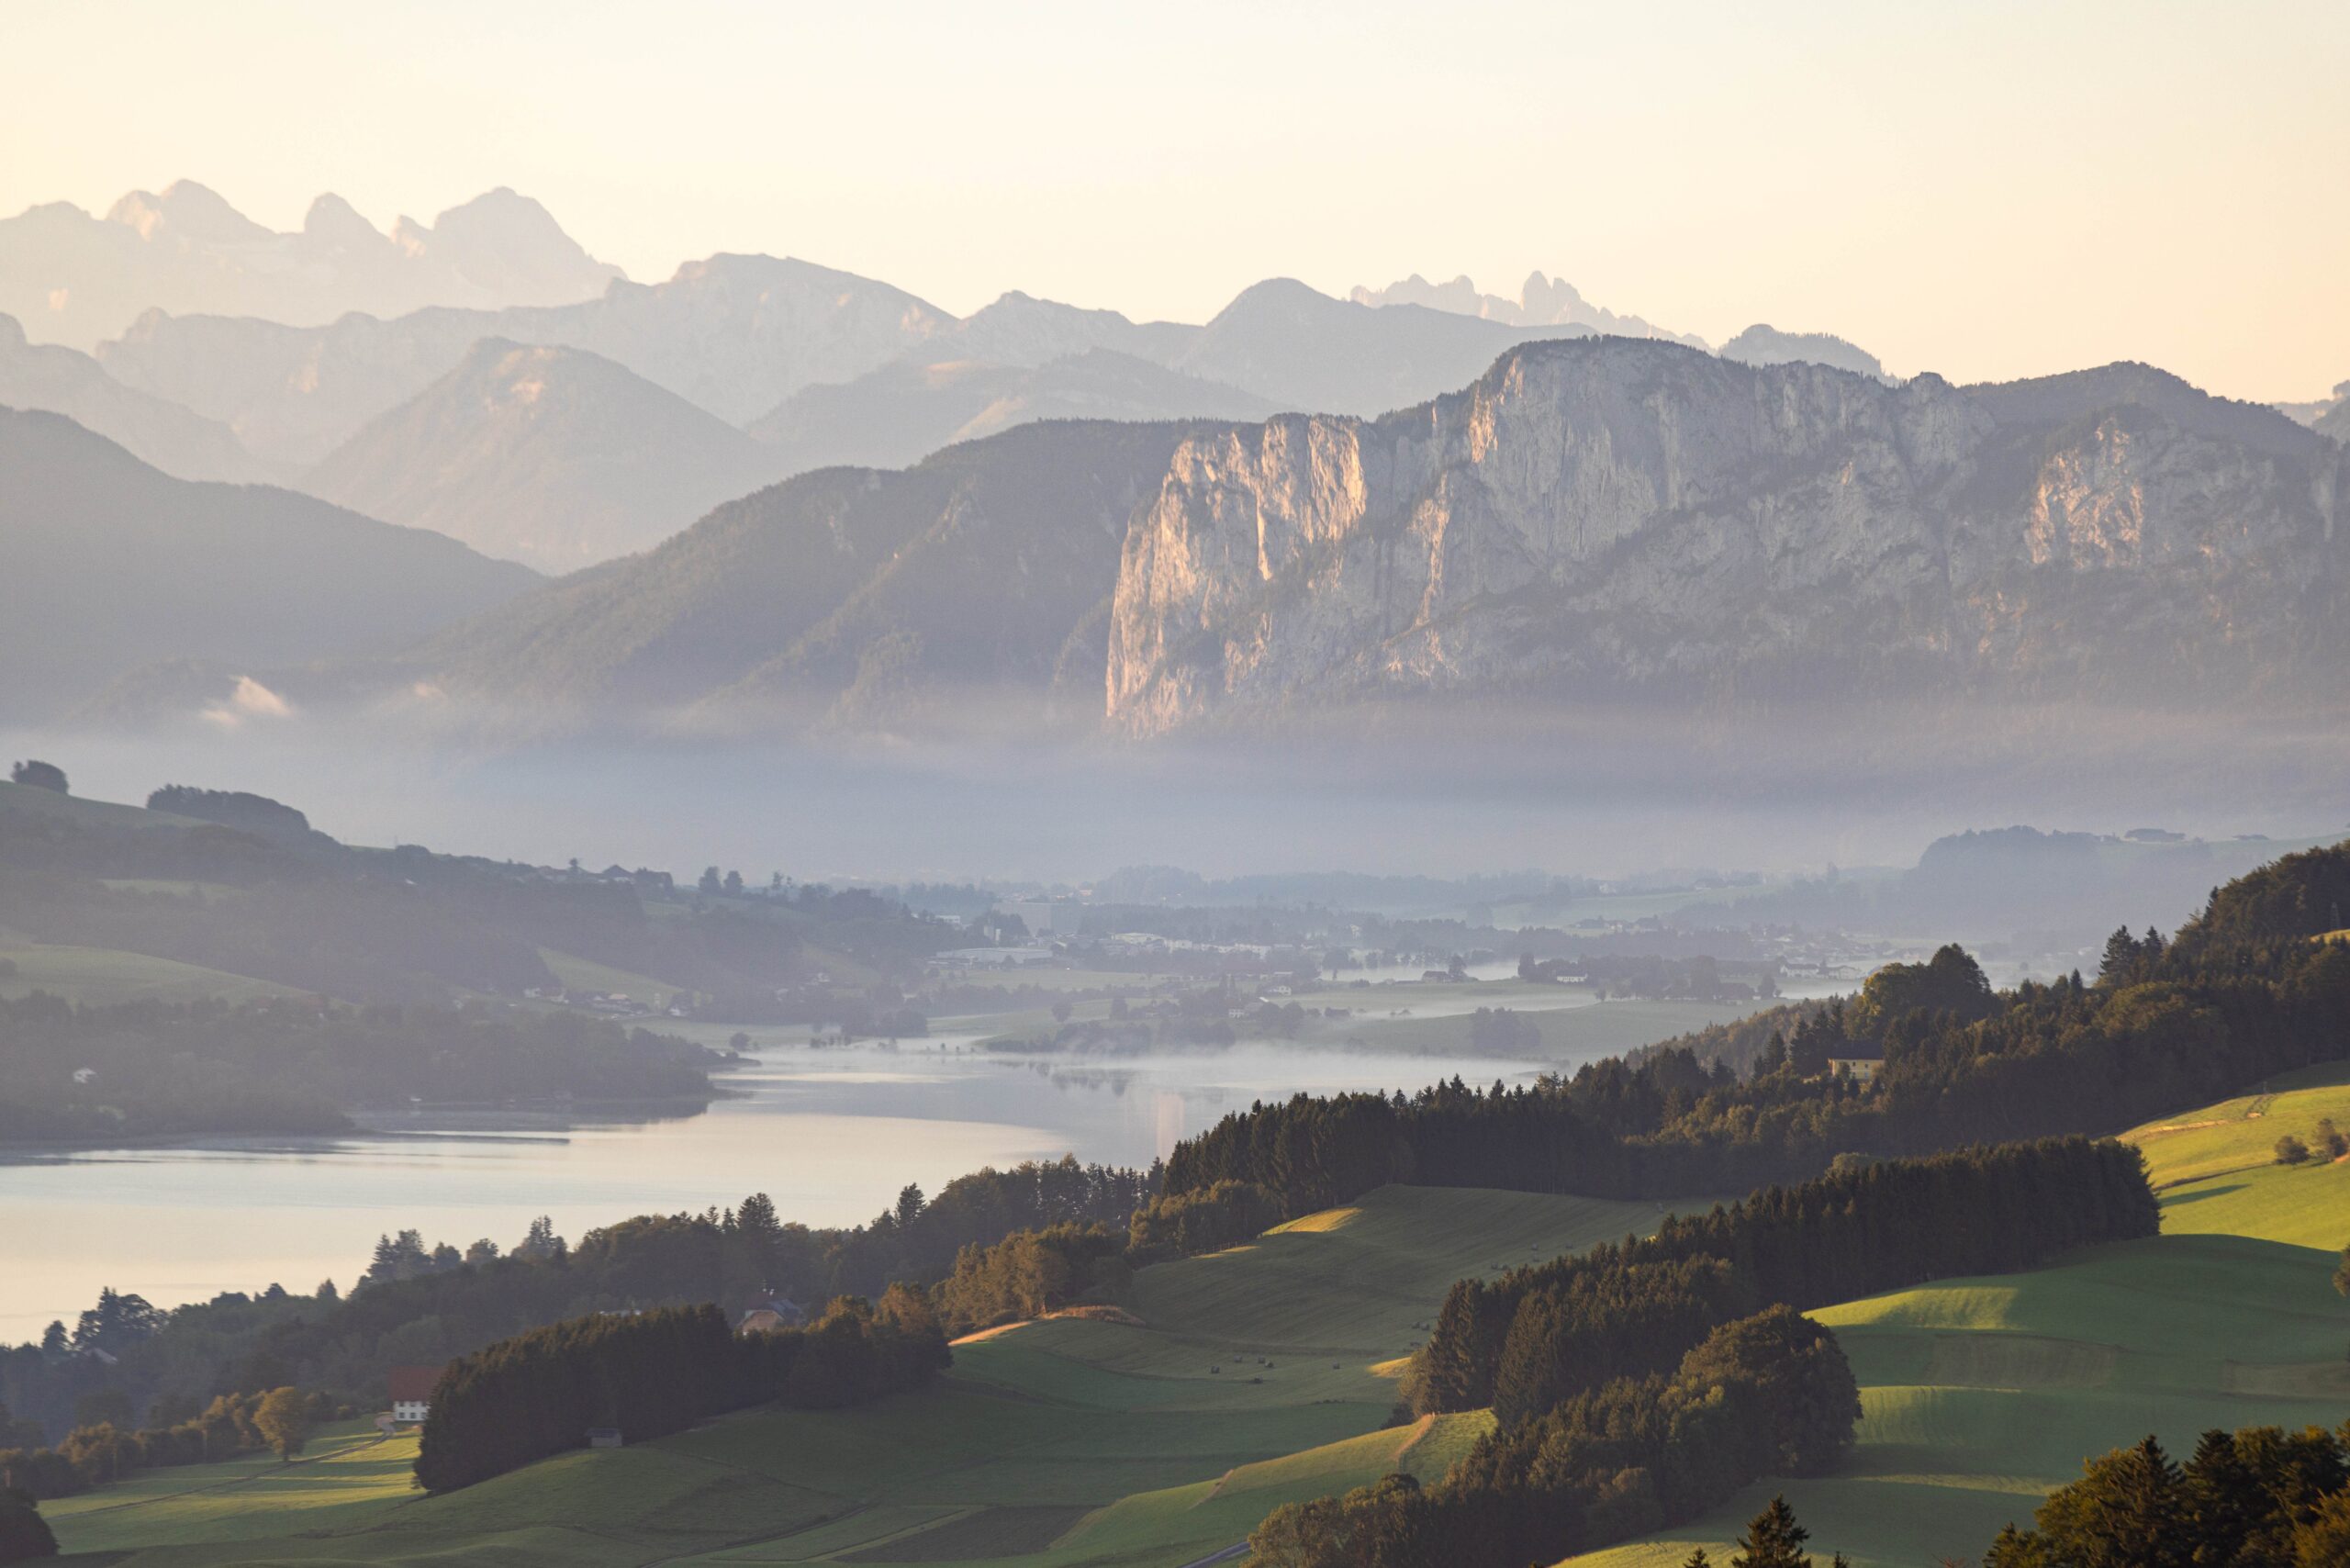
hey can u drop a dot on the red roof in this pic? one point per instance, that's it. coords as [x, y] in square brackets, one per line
[413, 1384]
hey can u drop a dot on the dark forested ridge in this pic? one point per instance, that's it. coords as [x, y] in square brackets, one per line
[2240, 993]
[145, 1070]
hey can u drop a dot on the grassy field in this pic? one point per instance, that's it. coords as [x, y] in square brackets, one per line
[1249, 1382]
[2217, 1170]
[576, 973]
[1982, 1395]
[99, 975]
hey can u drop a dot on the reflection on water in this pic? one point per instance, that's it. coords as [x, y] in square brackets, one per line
[830, 1135]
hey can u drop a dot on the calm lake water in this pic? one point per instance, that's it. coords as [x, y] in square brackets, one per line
[830, 1135]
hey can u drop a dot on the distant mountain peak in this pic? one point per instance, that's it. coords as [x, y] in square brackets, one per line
[79, 280]
[1543, 301]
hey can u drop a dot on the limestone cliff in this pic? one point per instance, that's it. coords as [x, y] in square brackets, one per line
[1606, 519]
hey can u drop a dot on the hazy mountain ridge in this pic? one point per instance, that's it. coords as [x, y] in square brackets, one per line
[734, 335]
[108, 565]
[66, 381]
[77, 279]
[1764, 345]
[1603, 519]
[845, 595]
[894, 416]
[1614, 517]
[1541, 302]
[554, 457]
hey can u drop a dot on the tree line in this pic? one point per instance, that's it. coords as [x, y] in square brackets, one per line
[2241, 993]
[1536, 1336]
[2259, 1496]
[101, 1453]
[1768, 1395]
[422, 1305]
[647, 1374]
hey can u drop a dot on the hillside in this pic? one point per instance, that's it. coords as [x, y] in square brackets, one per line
[977, 579]
[1066, 1441]
[1982, 1395]
[557, 458]
[107, 566]
[66, 381]
[895, 417]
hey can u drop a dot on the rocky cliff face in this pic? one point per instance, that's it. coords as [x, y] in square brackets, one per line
[1603, 519]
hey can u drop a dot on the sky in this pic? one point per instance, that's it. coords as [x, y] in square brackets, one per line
[1986, 190]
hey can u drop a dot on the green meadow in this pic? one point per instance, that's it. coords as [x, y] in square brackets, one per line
[1253, 1377]
[2216, 1168]
[1982, 1395]
[99, 976]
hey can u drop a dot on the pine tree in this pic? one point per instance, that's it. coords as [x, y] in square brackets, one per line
[1772, 1540]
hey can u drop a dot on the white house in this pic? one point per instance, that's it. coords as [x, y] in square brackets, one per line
[411, 1390]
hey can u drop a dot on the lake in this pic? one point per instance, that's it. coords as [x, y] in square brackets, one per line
[830, 1135]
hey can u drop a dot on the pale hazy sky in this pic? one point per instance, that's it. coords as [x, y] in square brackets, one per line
[1987, 190]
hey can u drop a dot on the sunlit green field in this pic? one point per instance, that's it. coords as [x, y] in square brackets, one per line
[2217, 1169]
[1248, 1383]
[1982, 1395]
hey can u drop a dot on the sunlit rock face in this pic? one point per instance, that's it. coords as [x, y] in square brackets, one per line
[1605, 519]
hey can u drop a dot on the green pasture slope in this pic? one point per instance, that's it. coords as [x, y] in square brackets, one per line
[101, 976]
[1982, 1395]
[1251, 1381]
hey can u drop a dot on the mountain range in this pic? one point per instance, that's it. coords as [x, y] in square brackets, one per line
[78, 279]
[1602, 520]
[109, 566]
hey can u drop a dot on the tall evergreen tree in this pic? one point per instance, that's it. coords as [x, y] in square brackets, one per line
[1772, 1540]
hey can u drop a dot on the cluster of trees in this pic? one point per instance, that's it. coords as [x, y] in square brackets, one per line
[280, 1419]
[1032, 1272]
[2258, 1496]
[1769, 1394]
[1536, 1336]
[650, 1374]
[424, 1305]
[289, 1065]
[2325, 1142]
[2238, 994]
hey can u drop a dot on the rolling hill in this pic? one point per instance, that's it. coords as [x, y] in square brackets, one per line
[1256, 1377]
[1982, 1395]
[108, 565]
[554, 457]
